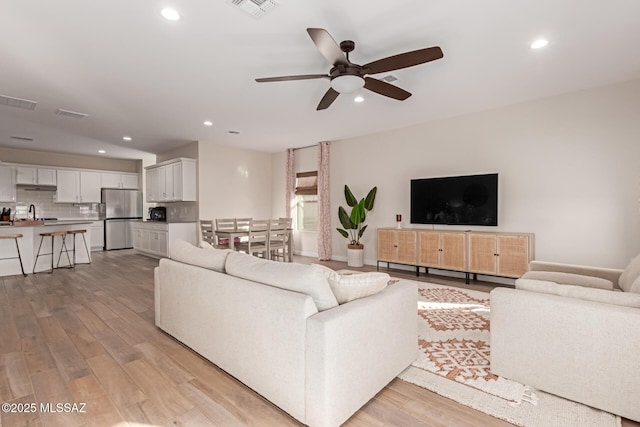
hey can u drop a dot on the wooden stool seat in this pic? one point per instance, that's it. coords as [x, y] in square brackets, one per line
[74, 233]
[53, 235]
[15, 237]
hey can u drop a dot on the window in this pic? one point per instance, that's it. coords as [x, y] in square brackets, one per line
[307, 200]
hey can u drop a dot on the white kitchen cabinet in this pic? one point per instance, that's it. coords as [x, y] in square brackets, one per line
[34, 175]
[78, 186]
[127, 181]
[97, 235]
[154, 238]
[172, 181]
[7, 184]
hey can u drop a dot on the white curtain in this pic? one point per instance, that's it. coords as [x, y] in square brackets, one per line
[324, 206]
[290, 192]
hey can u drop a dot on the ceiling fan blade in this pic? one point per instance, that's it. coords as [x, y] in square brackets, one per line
[384, 88]
[327, 99]
[287, 78]
[327, 46]
[403, 60]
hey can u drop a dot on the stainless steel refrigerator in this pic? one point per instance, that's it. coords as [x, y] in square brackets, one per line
[121, 208]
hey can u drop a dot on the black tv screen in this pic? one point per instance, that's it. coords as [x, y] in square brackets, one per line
[457, 200]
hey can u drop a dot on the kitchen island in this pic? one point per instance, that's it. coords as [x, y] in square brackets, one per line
[30, 241]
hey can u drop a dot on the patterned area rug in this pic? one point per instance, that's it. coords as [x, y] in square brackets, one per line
[454, 361]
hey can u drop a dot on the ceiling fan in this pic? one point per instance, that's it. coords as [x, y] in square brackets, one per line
[348, 77]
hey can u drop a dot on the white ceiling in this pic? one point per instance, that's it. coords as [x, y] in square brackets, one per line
[137, 74]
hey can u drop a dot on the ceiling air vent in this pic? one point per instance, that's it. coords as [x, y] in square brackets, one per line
[21, 138]
[255, 8]
[10, 101]
[73, 114]
[390, 78]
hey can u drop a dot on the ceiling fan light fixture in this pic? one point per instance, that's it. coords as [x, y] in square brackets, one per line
[347, 83]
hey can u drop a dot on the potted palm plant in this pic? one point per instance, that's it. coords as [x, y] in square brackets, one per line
[353, 224]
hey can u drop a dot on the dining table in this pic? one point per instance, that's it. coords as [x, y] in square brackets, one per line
[233, 234]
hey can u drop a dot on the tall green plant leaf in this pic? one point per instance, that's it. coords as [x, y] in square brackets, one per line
[344, 219]
[370, 199]
[362, 231]
[357, 213]
[351, 199]
[344, 233]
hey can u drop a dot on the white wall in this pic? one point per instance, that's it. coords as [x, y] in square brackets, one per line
[568, 172]
[233, 182]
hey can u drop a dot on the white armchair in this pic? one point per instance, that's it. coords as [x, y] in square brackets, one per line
[580, 343]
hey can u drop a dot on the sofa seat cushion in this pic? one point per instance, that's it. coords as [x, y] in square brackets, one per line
[207, 257]
[629, 276]
[579, 292]
[350, 286]
[306, 279]
[569, 279]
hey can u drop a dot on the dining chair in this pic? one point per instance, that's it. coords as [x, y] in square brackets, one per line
[258, 238]
[277, 240]
[207, 231]
[224, 224]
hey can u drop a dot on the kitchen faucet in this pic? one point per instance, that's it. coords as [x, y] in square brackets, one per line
[32, 206]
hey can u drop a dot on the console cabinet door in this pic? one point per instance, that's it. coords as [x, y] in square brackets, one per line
[429, 248]
[482, 253]
[453, 254]
[387, 247]
[407, 247]
[513, 255]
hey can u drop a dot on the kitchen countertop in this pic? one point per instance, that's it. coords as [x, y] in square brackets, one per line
[45, 223]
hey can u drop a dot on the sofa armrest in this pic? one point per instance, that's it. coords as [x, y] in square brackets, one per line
[355, 349]
[581, 350]
[611, 274]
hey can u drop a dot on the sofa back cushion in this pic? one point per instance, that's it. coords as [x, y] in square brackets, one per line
[306, 279]
[569, 279]
[207, 257]
[630, 274]
[580, 292]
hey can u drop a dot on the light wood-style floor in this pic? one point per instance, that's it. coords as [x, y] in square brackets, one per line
[88, 336]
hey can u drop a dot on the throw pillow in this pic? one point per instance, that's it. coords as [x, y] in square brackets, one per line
[630, 274]
[569, 279]
[579, 292]
[209, 258]
[306, 279]
[350, 286]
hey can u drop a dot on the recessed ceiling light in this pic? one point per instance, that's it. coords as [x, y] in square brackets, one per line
[126, 138]
[208, 123]
[101, 151]
[170, 14]
[358, 98]
[539, 43]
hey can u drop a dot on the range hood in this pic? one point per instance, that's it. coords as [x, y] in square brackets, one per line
[36, 187]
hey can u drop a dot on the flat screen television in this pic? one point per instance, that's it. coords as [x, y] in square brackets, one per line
[456, 200]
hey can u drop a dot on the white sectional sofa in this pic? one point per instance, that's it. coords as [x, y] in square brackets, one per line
[577, 337]
[278, 328]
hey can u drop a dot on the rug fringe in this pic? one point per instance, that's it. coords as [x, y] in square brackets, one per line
[528, 395]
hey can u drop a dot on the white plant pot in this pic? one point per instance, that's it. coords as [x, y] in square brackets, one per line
[355, 257]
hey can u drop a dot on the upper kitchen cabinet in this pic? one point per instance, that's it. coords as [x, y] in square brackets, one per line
[123, 180]
[33, 175]
[7, 184]
[78, 186]
[172, 181]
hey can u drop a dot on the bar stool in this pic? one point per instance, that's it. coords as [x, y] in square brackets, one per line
[15, 237]
[82, 233]
[53, 235]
